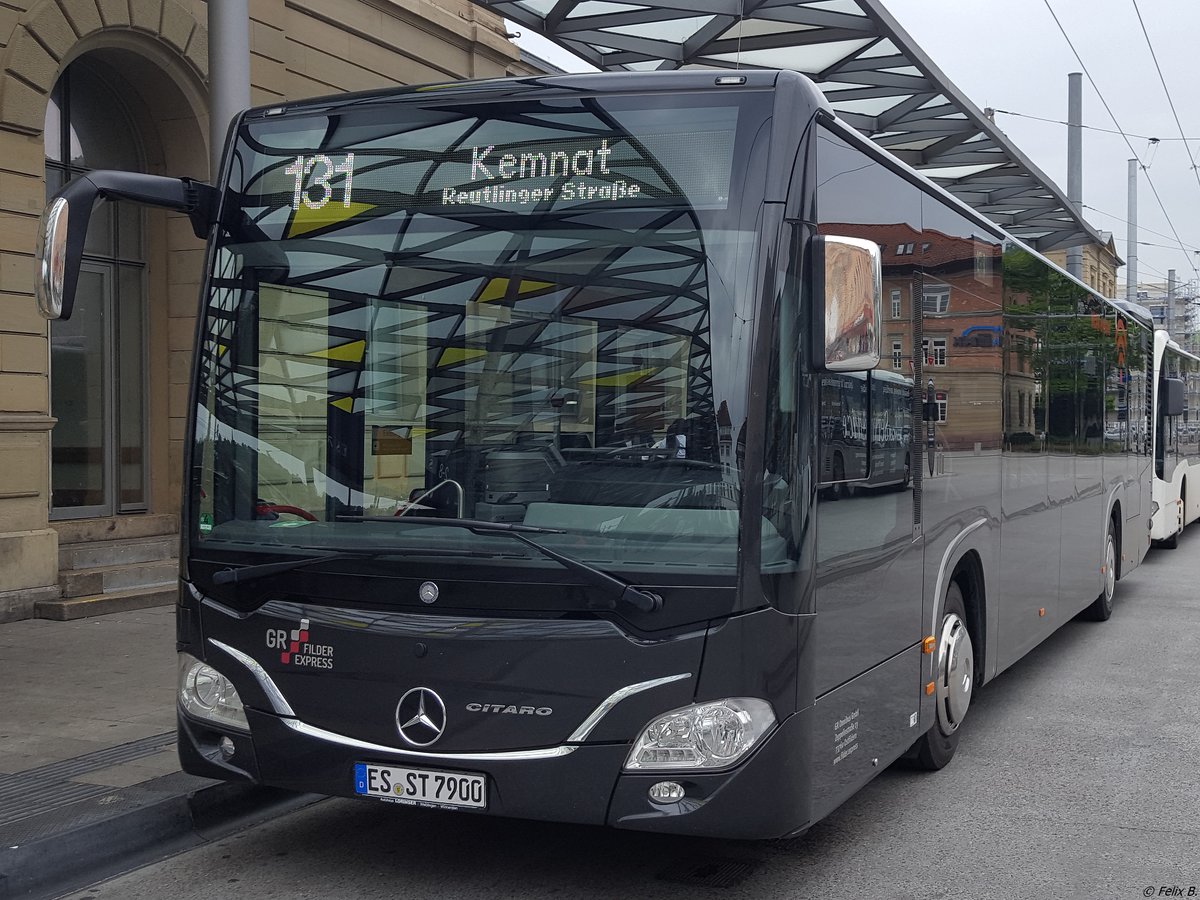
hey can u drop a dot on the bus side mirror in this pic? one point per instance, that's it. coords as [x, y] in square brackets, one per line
[63, 226]
[1172, 397]
[849, 280]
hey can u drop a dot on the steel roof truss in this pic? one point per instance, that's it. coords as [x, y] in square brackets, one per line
[951, 133]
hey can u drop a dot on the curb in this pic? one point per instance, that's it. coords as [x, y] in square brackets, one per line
[74, 859]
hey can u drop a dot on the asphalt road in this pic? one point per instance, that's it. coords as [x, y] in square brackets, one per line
[1078, 776]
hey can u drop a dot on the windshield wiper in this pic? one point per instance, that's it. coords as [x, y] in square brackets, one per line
[624, 591]
[262, 570]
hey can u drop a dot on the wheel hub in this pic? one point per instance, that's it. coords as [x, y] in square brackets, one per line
[956, 673]
[1110, 569]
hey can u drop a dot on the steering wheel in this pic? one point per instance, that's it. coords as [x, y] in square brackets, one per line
[265, 510]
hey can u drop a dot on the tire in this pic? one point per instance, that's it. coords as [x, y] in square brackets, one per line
[1101, 608]
[955, 681]
[838, 489]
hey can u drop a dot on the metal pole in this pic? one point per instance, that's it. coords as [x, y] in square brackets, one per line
[1170, 316]
[228, 71]
[1131, 242]
[1075, 162]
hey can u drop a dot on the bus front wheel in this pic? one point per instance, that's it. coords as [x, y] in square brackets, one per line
[954, 681]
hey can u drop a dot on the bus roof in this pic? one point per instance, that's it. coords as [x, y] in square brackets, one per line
[547, 85]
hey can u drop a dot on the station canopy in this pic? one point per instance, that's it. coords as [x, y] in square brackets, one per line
[872, 73]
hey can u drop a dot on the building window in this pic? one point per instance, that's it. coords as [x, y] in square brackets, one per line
[935, 351]
[895, 304]
[936, 299]
[939, 398]
[904, 249]
[99, 455]
[897, 355]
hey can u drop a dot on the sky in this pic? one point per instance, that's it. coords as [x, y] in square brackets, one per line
[1010, 55]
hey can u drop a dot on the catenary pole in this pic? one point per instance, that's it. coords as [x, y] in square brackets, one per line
[1170, 316]
[1075, 162]
[1131, 242]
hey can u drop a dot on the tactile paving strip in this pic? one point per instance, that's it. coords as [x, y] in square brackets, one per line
[47, 788]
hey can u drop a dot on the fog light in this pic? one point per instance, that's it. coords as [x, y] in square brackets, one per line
[225, 745]
[666, 792]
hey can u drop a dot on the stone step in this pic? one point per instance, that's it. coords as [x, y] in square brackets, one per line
[115, 528]
[96, 554]
[102, 604]
[107, 579]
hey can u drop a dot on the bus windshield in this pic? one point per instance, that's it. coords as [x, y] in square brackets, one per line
[517, 311]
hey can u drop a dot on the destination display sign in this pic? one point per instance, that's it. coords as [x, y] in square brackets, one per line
[311, 175]
[667, 168]
[560, 175]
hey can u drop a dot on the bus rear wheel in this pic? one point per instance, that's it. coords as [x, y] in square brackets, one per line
[954, 681]
[838, 489]
[1101, 607]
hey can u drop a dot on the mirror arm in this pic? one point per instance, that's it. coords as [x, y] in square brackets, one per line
[196, 198]
[64, 224]
[203, 200]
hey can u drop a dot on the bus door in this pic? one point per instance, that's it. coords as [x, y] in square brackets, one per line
[869, 581]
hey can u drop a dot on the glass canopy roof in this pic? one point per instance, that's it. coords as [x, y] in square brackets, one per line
[872, 73]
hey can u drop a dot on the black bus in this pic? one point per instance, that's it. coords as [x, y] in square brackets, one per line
[507, 487]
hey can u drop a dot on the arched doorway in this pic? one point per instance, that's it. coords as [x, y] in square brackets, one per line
[98, 359]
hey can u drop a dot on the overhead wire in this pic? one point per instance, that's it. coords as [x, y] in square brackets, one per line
[1140, 227]
[1126, 134]
[1167, 91]
[1111, 115]
[1171, 103]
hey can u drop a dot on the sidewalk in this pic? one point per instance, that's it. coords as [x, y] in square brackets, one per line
[89, 778]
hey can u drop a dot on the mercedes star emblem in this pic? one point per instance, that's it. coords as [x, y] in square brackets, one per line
[428, 592]
[421, 716]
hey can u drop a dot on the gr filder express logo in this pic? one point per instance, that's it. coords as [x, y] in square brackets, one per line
[296, 649]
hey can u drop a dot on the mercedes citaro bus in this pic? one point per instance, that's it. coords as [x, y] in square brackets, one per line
[506, 486]
[1176, 441]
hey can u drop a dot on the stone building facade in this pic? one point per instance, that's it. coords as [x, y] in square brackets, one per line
[1100, 265]
[92, 411]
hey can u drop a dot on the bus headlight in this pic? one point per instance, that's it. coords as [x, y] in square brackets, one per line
[207, 694]
[711, 735]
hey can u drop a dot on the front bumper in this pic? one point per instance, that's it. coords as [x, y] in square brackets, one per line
[767, 796]
[1167, 521]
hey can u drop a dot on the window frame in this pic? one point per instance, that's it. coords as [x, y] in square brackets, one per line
[929, 349]
[939, 292]
[941, 400]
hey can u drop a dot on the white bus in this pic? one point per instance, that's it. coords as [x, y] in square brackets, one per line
[1176, 440]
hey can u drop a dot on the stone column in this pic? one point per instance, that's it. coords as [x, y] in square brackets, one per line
[28, 546]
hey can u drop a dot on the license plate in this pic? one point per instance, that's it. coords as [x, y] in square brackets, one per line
[425, 787]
